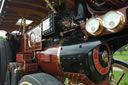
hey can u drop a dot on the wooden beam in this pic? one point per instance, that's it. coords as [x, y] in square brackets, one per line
[30, 4]
[26, 12]
[9, 28]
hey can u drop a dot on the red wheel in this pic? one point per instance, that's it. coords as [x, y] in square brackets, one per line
[98, 63]
[102, 59]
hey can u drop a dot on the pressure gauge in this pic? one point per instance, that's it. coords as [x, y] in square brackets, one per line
[113, 20]
[93, 26]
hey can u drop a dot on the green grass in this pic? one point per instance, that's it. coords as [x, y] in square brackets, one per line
[123, 56]
[117, 74]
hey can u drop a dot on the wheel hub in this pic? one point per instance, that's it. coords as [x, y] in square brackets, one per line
[105, 56]
[25, 83]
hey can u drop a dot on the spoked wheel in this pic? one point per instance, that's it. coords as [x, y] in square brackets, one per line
[120, 65]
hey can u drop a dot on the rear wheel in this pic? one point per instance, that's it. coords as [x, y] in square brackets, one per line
[39, 79]
[5, 58]
[121, 66]
[26, 83]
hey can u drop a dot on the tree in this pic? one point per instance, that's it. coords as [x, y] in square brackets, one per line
[124, 48]
[2, 38]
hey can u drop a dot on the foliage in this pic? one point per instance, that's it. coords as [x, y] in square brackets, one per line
[124, 48]
[122, 56]
[2, 38]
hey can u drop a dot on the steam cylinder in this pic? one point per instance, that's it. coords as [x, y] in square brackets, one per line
[77, 57]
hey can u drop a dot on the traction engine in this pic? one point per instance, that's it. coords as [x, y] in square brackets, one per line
[72, 49]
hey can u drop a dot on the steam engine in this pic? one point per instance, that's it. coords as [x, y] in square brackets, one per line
[76, 48]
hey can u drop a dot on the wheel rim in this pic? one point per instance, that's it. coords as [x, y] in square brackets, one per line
[120, 67]
[25, 83]
[123, 66]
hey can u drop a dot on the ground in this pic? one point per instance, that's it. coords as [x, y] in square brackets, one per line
[117, 74]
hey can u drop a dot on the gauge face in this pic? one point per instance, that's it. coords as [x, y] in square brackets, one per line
[37, 32]
[92, 25]
[111, 20]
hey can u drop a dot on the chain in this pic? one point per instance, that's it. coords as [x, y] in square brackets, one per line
[50, 5]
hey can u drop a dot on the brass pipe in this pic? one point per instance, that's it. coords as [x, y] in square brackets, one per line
[24, 25]
[50, 5]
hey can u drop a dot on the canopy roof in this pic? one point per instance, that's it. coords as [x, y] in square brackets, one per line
[13, 10]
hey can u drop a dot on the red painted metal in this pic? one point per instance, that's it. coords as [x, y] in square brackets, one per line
[48, 61]
[25, 47]
[76, 78]
[97, 64]
[116, 3]
[31, 68]
[21, 57]
[22, 44]
[26, 63]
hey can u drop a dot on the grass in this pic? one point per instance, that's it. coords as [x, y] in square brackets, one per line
[122, 56]
[117, 74]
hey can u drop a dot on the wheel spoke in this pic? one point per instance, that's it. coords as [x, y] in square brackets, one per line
[121, 78]
[123, 65]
